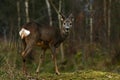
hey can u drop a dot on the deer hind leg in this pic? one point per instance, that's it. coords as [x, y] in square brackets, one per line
[53, 49]
[26, 51]
[24, 67]
[24, 54]
[41, 58]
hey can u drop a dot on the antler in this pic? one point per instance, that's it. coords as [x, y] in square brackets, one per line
[56, 9]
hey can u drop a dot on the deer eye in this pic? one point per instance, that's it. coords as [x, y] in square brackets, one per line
[70, 23]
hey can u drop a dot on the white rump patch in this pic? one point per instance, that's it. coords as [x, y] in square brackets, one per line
[24, 33]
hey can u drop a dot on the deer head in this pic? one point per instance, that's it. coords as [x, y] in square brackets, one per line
[67, 23]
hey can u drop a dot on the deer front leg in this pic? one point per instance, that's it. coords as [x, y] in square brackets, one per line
[53, 49]
[55, 64]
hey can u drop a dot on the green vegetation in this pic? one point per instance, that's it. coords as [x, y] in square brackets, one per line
[11, 68]
[78, 75]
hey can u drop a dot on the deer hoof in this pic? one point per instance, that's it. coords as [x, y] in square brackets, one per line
[58, 73]
[37, 73]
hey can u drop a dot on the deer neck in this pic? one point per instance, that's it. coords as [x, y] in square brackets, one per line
[64, 35]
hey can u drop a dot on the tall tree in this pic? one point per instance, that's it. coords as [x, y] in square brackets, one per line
[49, 11]
[91, 22]
[59, 19]
[105, 9]
[27, 10]
[109, 19]
[18, 12]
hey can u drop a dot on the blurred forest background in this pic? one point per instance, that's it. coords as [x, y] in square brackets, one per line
[94, 42]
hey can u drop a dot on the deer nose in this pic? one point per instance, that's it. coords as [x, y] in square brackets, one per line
[67, 30]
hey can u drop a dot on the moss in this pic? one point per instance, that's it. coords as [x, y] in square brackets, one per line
[81, 75]
[78, 75]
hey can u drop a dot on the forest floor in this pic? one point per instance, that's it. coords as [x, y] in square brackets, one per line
[11, 63]
[78, 75]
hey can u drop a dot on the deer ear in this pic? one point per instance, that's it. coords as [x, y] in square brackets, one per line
[62, 18]
[71, 17]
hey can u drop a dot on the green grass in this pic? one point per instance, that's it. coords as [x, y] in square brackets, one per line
[82, 75]
[11, 64]
[78, 75]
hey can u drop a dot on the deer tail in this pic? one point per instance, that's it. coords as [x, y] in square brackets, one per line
[24, 33]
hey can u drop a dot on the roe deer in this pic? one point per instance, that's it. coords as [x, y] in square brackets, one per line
[46, 37]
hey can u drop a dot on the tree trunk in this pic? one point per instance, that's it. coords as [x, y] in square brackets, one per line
[91, 25]
[59, 18]
[18, 11]
[27, 10]
[17, 42]
[109, 21]
[49, 12]
[105, 18]
[91, 31]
